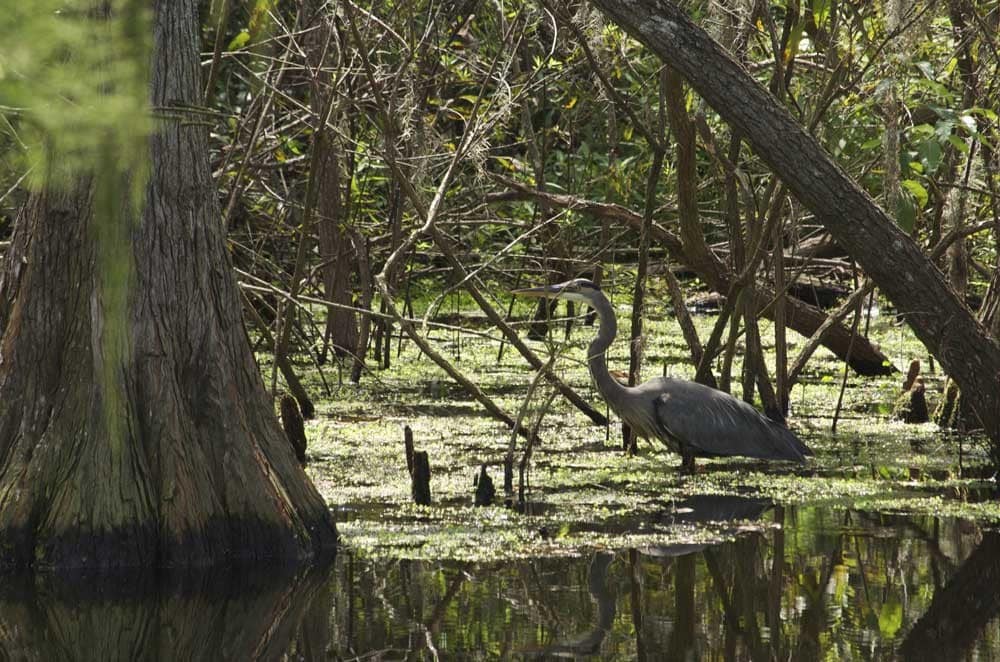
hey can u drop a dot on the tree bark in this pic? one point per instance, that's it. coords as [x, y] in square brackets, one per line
[172, 455]
[894, 261]
[336, 249]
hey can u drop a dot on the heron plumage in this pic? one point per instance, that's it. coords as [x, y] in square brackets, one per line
[690, 418]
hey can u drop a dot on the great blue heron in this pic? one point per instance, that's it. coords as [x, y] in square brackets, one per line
[691, 419]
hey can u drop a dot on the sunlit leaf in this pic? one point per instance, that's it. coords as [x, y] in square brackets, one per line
[890, 617]
[987, 113]
[959, 144]
[820, 11]
[917, 190]
[239, 41]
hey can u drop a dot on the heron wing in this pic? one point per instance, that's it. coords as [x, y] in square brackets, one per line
[711, 422]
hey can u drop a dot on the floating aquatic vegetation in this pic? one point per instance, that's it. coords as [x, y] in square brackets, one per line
[583, 493]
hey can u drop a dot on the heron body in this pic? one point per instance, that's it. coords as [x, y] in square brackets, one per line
[690, 418]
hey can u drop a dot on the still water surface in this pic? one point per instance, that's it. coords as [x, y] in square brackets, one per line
[812, 583]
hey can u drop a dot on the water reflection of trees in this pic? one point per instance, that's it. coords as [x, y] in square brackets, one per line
[961, 609]
[216, 615]
[808, 584]
[804, 584]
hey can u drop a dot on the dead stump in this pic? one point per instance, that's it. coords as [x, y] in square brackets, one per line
[911, 374]
[420, 479]
[294, 425]
[408, 446]
[485, 491]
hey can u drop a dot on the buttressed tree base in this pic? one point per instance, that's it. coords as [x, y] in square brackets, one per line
[167, 452]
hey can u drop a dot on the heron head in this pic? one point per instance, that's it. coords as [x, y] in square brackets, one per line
[578, 289]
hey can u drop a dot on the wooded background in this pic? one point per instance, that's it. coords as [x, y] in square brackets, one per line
[366, 156]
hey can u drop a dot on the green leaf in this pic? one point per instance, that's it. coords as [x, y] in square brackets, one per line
[820, 11]
[987, 113]
[945, 127]
[959, 144]
[917, 190]
[906, 212]
[890, 617]
[239, 41]
[260, 18]
[930, 153]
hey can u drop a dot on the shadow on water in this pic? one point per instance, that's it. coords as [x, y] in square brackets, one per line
[814, 583]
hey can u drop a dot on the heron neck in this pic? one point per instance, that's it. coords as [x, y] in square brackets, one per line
[607, 385]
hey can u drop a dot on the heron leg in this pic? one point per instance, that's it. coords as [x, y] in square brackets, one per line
[687, 462]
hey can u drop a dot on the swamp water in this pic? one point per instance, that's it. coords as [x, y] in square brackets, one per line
[850, 585]
[883, 547]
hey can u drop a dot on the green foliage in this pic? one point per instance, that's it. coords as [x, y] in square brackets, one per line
[73, 87]
[74, 93]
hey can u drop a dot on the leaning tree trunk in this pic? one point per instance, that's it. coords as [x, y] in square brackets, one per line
[171, 454]
[938, 317]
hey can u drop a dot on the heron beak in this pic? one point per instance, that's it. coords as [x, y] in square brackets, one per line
[544, 292]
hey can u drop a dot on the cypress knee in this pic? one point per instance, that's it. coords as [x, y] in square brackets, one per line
[508, 475]
[911, 374]
[911, 407]
[954, 410]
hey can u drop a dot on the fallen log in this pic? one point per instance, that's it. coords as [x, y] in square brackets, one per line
[864, 358]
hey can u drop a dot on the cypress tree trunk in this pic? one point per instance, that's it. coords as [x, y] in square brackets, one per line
[171, 454]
